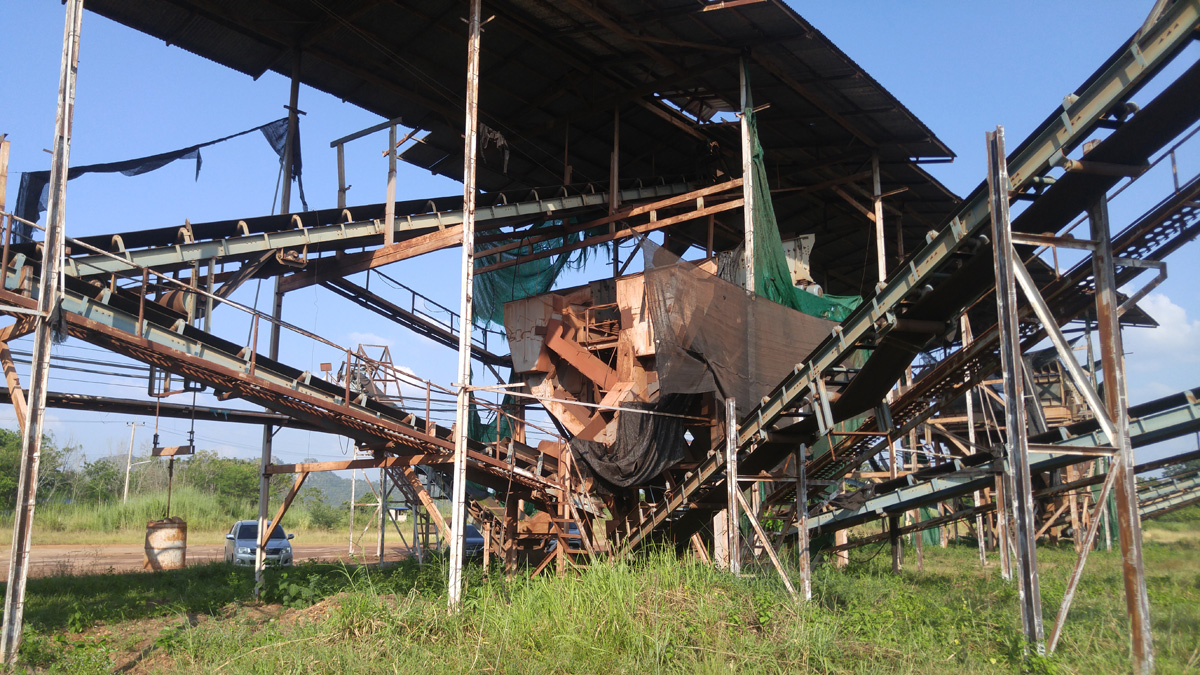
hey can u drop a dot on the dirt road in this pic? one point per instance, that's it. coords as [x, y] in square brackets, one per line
[49, 559]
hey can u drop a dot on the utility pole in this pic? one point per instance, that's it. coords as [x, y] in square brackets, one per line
[53, 249]
[129, 457]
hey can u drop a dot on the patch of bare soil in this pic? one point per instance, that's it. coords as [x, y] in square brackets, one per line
[140, 646]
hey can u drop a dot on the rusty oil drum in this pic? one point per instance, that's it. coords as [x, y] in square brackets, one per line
[166, 544]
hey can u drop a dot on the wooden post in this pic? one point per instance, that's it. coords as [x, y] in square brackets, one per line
[877, 193]
[731, 484]
[967, 338]
[512, 515]
[747, 175]
[14, 385]
[802, 521]
[918, 544]
[1071, 473]
[458, 506]
[614, 188]
[1003, 541]
[708, 240]
[48, 294]
[762, 536]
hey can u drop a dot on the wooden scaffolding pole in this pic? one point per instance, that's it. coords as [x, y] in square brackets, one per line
[748, 205]
[802, 521]
[734, 551]
[458, 507]
[877, 198]
[967, 338]
[48, 295]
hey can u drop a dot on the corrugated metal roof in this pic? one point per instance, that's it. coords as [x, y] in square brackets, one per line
[554, 71]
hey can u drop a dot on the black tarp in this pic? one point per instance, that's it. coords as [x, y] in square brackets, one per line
[713, 336]
[646, 444]
[33, 192]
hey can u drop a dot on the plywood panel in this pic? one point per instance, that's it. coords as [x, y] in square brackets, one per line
[631, 299]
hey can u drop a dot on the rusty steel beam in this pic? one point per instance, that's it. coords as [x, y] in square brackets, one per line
[1129, 523]
[130, 406]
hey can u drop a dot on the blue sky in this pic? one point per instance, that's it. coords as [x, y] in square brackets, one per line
[961, 67]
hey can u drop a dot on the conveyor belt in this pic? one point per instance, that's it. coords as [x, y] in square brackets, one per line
[98, 316]
[977, 472]
[1177, 500]
[326, 230]
[1168, 495]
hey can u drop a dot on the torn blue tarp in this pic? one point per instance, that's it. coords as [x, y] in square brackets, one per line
[33, 193]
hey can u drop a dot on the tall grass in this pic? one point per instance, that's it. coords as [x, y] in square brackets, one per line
[201, 511]
[648, 615]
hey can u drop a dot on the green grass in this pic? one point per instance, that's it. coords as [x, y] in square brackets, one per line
[655, 614]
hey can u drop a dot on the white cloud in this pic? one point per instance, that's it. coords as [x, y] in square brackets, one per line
[356, 338]
[1173, 342]
[1162, 360]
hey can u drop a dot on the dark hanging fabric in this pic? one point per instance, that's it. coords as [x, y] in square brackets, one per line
[276, 135]
[33, 192]
[646, 445]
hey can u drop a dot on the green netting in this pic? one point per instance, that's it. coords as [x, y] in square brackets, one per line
[931, 536]
[771, 277]
[497, 425]
[523, 280]
[534, 277]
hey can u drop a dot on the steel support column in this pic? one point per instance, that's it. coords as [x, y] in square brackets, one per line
[1129, 523]
[285, 206]
[1017, 442]
[458, 507]
[893, 529]
[48, 292]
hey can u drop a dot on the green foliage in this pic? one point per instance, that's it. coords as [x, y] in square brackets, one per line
[231, 479]
[1184, 468]
[209, 491]
[202, 512]
[52, 472]
[1183, 519]
[320, 513]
